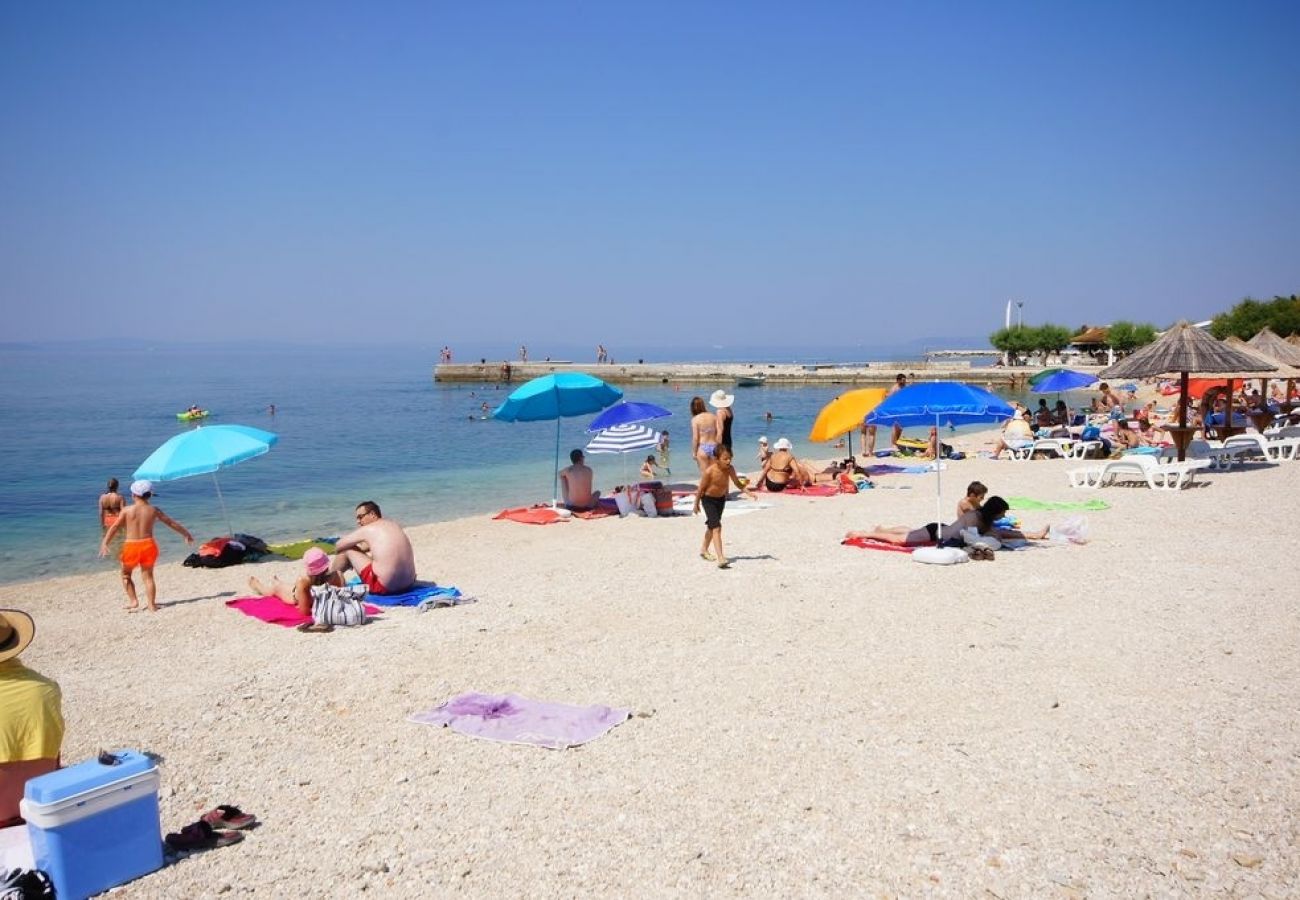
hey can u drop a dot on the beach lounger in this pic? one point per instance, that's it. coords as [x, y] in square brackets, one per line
[1218, 457]
[1249, 446]
[1171, 476]
[1284, 444]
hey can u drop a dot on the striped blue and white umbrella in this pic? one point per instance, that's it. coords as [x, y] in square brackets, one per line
[624, 439]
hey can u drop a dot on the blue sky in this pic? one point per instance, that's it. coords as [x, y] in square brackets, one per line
[702, 173]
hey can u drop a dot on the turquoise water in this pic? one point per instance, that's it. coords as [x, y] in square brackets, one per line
[352, 426]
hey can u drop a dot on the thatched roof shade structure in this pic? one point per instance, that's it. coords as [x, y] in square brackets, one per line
[1094, 335]
[1270, 344]
[1186, 349]
[1281, 369]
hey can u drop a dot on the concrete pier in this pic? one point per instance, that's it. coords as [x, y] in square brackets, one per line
[724, 374]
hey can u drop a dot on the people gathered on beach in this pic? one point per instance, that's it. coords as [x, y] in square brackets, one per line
[140, 549]
[983, 519]
[378, 551]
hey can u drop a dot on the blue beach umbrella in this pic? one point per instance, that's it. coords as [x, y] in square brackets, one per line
[1063, 380]
[553, 397]
[930, 403]
[626, 413]
[203, 450]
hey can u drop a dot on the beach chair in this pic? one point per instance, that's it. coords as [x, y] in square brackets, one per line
[1056, 446]
[1248, 446]
[1081, 449]
[1284, 443]
[1170, 476]
[1218, 457]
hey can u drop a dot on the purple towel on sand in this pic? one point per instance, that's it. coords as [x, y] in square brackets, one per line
[518, 720]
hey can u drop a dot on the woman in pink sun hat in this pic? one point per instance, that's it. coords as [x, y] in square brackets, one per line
[317, 566]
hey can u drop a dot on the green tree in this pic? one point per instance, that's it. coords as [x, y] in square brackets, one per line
[1051, 338]
[1125, 337]
[1247, 318]
[1016, 341]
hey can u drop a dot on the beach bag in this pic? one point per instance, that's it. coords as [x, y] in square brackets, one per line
[332, 605]
[939, 556]
[1074, 529]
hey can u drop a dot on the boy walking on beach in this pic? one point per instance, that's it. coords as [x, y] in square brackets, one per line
[140, 548]
[712, 495]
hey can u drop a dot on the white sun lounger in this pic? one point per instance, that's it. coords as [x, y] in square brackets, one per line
[1220, 458]
[1065, 448]
[1158, 476]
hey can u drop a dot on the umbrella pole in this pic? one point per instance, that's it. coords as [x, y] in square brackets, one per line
[222, 500]
[555, 484]
[938, 473]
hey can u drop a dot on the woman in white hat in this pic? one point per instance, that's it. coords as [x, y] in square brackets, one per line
[31, 715]
[721, 401]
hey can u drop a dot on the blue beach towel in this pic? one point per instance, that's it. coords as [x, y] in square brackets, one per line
[415, 596]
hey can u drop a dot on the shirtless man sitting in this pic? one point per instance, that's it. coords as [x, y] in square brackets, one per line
[575, 484]
[379, 551]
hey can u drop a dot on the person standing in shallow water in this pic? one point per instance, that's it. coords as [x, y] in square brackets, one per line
[721, 401]
[111, 504]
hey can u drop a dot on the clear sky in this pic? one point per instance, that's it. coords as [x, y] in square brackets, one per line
[756, 173]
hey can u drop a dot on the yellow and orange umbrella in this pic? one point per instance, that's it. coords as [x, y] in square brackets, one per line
[845, 413]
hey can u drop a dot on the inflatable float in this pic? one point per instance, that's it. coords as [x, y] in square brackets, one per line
[188, 416]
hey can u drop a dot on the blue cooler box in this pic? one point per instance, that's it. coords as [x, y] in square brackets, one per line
[93, 826]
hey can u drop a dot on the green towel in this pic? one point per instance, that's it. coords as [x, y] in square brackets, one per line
[298, 548]
[1029, 503]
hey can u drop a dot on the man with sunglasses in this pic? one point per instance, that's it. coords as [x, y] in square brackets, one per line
[379, 551]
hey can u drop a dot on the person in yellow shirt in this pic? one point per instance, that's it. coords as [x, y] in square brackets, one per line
[31, 715]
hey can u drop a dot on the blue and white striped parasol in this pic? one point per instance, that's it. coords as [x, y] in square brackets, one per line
[624, 439]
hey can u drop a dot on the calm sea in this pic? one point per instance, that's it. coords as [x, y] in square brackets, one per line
[353, 425]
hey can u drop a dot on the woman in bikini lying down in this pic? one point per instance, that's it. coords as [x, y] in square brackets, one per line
[982, 519]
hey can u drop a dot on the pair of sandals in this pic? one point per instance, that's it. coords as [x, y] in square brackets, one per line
[218, 827]
[982, 553]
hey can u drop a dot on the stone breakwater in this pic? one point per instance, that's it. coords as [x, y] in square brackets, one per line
[875, 374]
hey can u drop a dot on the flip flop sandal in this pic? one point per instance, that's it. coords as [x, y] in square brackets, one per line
[228, 817]
[201, 836]
[315, 628]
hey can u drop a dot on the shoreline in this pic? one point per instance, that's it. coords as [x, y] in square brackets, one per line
[873, 374]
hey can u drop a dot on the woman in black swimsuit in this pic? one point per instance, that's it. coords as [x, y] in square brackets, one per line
[721, 401]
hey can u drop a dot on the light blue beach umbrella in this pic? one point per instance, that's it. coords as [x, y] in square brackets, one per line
[553, 397]
[626, 413]
[203, 450]
[932, 402]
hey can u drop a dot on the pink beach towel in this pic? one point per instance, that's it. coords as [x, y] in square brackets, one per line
[277, 612]
[814, 490]
[513, 719]
[531, 515]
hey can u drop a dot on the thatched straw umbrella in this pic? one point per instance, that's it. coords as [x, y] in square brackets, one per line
[1186, 349]
[1283, 370]
[1270, 344]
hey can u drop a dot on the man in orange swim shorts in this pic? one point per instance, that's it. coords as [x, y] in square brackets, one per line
[140, 548]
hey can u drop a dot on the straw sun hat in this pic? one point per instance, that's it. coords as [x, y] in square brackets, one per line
[721, 399]
[16, 631]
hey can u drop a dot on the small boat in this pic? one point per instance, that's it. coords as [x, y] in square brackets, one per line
[189, 416]
[751, 380]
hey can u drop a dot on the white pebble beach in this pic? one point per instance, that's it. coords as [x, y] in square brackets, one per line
[1111, 719]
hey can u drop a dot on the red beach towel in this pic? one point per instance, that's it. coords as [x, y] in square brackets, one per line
[867, 544]
[277, 612]
[530, 515]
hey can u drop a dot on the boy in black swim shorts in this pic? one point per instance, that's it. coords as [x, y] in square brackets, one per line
[712, 496]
